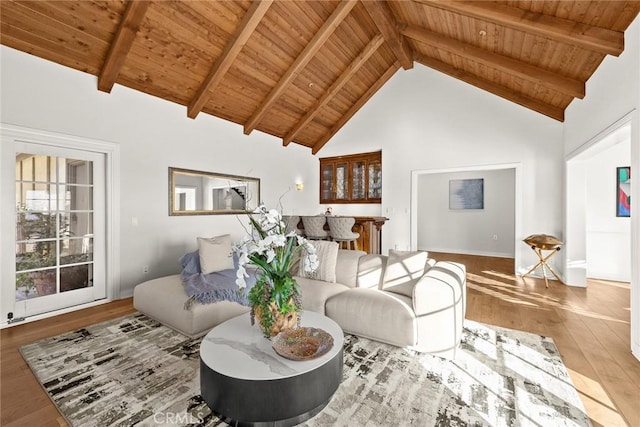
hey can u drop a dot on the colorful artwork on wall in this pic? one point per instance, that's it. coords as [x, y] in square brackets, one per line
[623, 191]
[466, 193]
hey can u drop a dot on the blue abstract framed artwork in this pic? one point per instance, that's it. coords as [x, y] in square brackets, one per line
[466, 193]
[623, 191]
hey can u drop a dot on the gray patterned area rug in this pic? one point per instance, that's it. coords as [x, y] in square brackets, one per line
[134, 371]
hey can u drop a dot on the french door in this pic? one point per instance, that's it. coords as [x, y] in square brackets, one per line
[59, 228]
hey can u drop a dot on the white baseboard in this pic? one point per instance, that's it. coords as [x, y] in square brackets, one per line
[48, 314]
[468, 252]
[126, 293]
[608, 276]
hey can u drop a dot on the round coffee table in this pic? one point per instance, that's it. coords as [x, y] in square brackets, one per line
[244, 379]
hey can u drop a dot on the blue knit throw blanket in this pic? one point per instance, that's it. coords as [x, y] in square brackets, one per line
[214, 287]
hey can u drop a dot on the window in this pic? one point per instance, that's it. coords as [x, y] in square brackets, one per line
[54, 225]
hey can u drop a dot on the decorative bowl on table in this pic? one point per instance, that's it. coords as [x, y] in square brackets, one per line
[302, 343]
[543, 241]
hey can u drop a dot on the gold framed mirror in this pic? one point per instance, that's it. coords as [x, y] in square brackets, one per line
[194, 192]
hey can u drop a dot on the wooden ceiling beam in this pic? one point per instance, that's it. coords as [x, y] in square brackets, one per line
[586, 36]
[356, 107]
[327, 29]
[355, 65]
[238, 39]
[381, 15]
[499, 62]
[496, 89]
[125, 35]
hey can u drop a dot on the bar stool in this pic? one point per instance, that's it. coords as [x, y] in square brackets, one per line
[340, 231]
[314, 227]
[291, 224]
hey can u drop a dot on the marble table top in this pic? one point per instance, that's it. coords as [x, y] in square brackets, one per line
[236, 349]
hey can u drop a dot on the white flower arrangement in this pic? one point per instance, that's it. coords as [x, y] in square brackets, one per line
[268, 246]
[272, 250]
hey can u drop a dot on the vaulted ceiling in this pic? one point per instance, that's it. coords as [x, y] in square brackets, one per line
[300, 70]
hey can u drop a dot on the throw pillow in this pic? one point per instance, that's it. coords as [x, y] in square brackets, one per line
[296, 260]
[404, 269]
[327, 253]
[215, 253]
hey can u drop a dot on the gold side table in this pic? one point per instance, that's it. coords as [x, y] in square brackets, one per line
[539, 243]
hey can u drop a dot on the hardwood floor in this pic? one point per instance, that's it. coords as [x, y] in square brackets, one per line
[590, 327]
[23, 402]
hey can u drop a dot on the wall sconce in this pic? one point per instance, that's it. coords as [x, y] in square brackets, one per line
[299, 186]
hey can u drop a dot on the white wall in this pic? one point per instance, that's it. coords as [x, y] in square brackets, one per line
[421, 120]
[608, 236]
[441, 229]
[424, 120]
[612, 93]
[153, 135]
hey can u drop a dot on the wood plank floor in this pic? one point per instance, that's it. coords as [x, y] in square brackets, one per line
[23, 402]
[590, 327]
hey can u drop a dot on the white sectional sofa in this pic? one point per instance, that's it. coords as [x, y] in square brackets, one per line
[404, 299]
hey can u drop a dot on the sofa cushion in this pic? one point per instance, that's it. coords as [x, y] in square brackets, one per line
[327, 253]
[215, 253]
[439, 305]
[370, 271]
[440, 287]
[163, 300]
[403, 271]
[316, 292]
[371, 313]
[347, 267]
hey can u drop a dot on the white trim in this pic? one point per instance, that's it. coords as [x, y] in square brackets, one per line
[501, 166]
[467, 252]
[112, 190]
[61, 140]
[4, 324]
[623, 121]
[607, 276]
[125, 293]
[635, 238]
[7, 212]
[110, 150]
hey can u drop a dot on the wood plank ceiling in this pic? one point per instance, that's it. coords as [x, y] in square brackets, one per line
[300, 70]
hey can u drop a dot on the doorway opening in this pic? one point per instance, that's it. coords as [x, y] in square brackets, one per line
[577, 257]
[598, 240]
[484, 241]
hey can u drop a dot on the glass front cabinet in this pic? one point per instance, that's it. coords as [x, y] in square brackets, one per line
[354, 178]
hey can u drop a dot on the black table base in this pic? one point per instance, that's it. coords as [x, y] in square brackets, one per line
[277, 402]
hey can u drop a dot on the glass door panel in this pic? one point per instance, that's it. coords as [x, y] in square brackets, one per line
[326, 184]
[357, 180]
[375, 180]
[54, 228]
[342, 181]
